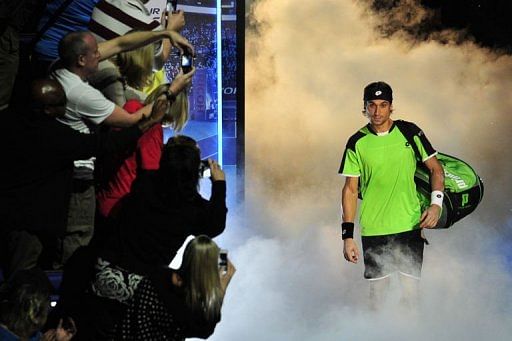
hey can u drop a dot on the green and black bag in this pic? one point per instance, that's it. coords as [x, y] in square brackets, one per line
[463, 188]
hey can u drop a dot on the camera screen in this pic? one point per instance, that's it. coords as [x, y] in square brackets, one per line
[185, 60]
[223, 259]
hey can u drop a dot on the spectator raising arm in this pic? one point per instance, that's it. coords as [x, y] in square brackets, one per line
[134, 40]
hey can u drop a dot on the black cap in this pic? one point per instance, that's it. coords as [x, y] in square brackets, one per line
[378, 90]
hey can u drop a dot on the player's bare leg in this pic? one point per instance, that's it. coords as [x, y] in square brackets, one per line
[410, 290]
[379, 289]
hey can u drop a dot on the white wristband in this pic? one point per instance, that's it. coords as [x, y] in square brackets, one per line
[436, 198]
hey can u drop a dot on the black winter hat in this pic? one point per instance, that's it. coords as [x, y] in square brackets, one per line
[378, 90]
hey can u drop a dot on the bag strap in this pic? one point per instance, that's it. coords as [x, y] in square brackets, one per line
[409, 136]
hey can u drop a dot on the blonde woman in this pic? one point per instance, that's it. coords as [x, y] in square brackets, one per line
[183, 303]
[119, 171]
[124, 76]
[136, 69]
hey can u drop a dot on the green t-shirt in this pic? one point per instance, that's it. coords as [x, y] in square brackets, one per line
[385, 165]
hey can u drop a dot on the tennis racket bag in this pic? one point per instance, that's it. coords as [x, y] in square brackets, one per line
[463, 188]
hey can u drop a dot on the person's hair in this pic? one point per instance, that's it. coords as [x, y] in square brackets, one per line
[71, 46]
[177, 115]
[201, 279]
[24, 302]
[179, 169]
[136, 66]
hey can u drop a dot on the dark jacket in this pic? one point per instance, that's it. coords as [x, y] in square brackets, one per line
[151, 229]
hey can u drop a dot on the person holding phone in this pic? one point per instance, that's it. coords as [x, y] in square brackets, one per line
[87, 108]
[118, 172]
[184, 302]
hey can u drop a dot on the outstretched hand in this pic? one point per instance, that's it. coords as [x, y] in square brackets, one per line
[181, 81]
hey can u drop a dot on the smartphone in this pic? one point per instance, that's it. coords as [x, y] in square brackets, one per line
[186, 62]
[223, 260]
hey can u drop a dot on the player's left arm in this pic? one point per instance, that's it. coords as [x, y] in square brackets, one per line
[431, 215]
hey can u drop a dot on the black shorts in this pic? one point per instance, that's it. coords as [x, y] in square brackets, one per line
[402, 252]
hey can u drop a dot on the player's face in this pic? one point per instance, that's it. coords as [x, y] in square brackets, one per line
[378, 111]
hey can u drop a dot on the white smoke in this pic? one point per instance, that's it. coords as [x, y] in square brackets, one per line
[306, 65]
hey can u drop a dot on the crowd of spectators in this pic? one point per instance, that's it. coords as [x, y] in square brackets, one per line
[91, 189]
[229, 56]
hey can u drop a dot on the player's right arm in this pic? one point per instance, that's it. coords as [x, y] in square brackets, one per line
[349, 207]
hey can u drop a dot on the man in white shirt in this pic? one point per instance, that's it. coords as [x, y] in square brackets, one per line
[87, 107]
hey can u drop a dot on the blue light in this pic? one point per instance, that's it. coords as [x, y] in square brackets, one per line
[219, 83]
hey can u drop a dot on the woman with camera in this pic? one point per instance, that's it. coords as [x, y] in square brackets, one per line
[123, 83]
[182, 303]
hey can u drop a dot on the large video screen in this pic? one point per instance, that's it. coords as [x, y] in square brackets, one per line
[214, 115]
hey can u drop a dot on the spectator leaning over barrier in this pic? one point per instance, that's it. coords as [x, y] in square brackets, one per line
[119, 171]
[115, 173]
[79, 56]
